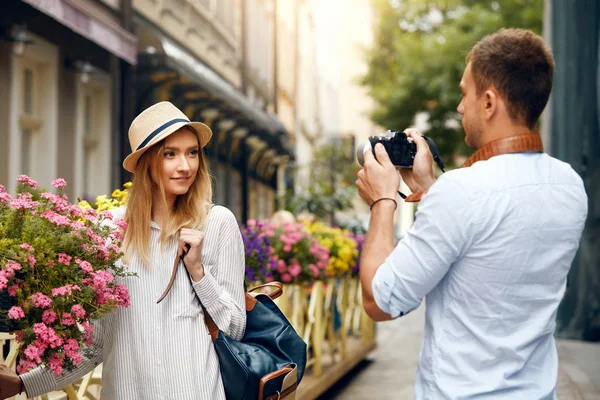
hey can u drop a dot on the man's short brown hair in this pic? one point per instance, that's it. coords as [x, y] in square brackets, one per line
[520, 66]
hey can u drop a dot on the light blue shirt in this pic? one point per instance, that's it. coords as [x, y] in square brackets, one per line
[490, 250]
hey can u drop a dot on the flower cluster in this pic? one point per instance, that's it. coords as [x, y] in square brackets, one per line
[261, 260]
[360, 241]
[343, 252]
[300, 257]
[58, 265]
[117, 199]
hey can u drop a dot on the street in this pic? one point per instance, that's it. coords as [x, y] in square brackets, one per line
[390, 370]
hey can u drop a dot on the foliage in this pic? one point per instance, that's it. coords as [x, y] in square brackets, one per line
[330, 184]
[418, 57]
[58, 264]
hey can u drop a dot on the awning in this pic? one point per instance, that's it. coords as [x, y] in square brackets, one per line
[92, 22]
[159, 55]
[182, 61]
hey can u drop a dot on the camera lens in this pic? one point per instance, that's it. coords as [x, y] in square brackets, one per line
[360, 152]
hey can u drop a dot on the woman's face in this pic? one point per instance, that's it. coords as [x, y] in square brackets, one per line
[180, 160]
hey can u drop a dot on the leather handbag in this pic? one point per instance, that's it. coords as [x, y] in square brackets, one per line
[268, 362]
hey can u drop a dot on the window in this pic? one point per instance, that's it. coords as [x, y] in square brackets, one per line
[93, 161]
[33, 116]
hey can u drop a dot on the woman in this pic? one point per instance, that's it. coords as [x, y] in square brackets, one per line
[160, 351]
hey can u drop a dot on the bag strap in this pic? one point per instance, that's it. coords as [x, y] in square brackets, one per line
[213, 330]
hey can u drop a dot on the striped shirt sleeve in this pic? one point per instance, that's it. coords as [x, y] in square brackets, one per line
[42, 380]
[222, 292]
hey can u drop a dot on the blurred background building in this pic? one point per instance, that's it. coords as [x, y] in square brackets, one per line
[64, 74]
[571, 133]
[275, 80]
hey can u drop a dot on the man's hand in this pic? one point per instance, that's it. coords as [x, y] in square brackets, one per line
[10, 383]
[379, 178]
[193, 256]
[421, 176]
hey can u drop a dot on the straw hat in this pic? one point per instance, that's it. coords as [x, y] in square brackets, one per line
[156, 123]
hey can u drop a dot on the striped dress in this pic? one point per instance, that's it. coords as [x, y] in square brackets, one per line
[163, 351]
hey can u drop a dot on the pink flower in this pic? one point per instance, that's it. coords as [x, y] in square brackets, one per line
[251, 223]
[84, 265]
[315, 270]
[64, 259]
[78, 311]
[12, 291]
[67, 319]
[3, 280]
[27, 181]
[76, 211]
[295, 269]
[102, 254]
[287, 247]
[26, 247]
[56, 219]
[64, 290]
[25, 365]
[122, 295]
[121, 224]
[23, 202]
[16, 313]
[286, 277]
[71, 350]
[90, 214]
[55, 362]
[13, 266]
[49, 317]
[5, 198]
[33, 353]
[31, 260]
[281, 266]
[88, 333]
[59, 183]
[46, 335]
[40, 300]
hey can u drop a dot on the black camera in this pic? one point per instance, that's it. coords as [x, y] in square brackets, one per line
[400, 149]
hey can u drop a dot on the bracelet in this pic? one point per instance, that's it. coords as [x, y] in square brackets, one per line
[384, 198]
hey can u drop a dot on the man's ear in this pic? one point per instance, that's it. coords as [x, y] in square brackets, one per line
[491, 100]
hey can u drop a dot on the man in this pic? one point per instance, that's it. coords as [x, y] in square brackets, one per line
[492, 242]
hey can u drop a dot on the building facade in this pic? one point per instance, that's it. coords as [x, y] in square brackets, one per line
[62, 67]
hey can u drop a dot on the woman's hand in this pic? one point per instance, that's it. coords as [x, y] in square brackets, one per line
[10, 383]
[193, 256]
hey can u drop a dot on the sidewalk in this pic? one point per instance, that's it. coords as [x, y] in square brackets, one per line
[390, 370]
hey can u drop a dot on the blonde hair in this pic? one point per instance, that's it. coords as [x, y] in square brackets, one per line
[189, 210]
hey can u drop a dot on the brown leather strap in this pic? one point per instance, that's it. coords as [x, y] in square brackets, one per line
[213, 330]
[275, 374]
[273, 295]
[412, 198]
[508, 145]
[513, 144]
[170, 284]
[285, 393]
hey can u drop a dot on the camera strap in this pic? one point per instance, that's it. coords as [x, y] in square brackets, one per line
[436, 157]
[530, 142]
